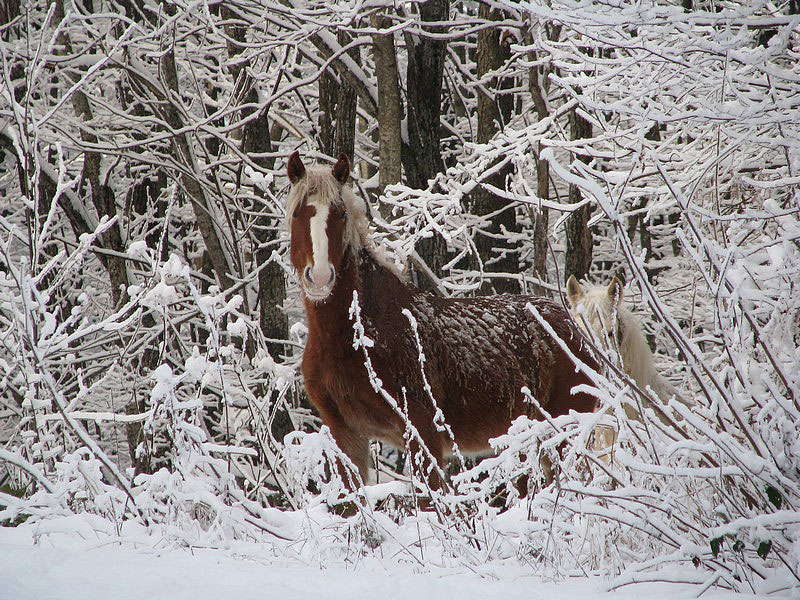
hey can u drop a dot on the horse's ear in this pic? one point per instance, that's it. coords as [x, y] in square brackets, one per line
[615, 290]
[574, 291]
[341, 170]
[295, 169]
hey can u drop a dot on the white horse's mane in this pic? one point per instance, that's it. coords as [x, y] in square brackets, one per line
[321, 187]
[597, 307]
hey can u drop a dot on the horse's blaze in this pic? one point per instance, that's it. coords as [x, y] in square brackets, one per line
[312, 254]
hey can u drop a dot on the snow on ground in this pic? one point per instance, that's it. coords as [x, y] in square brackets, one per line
[62, 567]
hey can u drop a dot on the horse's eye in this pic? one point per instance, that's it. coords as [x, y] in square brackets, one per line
[343, 216]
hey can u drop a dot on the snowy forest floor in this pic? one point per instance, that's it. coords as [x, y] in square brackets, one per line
[68, 561]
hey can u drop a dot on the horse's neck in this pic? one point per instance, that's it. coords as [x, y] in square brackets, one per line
[640, 363]
[636, 355]
[330, 322]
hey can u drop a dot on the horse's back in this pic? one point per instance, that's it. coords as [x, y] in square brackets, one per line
[480, 352]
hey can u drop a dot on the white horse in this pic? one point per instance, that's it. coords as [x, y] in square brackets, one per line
[601, 313]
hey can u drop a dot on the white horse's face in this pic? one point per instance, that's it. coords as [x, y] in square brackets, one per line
[596, 310]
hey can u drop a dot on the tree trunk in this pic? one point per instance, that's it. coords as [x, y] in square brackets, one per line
[579, 238]
[422, 158]
[257, 144]
[105, 204]
[637, 220]
[102, 196]
[390, 106]
[540, 226]
[337, 103]
[537, 87]
[495, 106]
[189, 177]
[9, 10]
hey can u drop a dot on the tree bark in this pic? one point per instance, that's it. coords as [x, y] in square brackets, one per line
[337, 103]
[390, 106]
[538, 85]
[538, 91]
[9, 9]
[257, 144]
[422, 158]
[495, 106]
[102, 196]
[638, 220]
[189, 177]
[579, 238]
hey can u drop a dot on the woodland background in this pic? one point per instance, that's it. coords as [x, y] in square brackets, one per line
[150, 322]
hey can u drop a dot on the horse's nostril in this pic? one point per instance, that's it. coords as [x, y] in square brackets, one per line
[333, 276]
[307, 274]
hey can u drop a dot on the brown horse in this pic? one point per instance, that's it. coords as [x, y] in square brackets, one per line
[478, 352]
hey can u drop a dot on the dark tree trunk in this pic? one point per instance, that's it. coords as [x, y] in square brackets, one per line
[257, 144]
[638, 220]
[337, 103]
[579, 238]
[538, 86]
[9, 9]
[189, 178]
[144, 200]
[102, 196]
[422, 158]
[105, 204]
[495, 106]
[540, 227]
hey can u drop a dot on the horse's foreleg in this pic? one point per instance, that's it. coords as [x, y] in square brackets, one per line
[353, 443]
[426, 463]
[605, 440]
[356, 447]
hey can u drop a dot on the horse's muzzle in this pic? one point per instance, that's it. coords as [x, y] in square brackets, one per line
[317, 283]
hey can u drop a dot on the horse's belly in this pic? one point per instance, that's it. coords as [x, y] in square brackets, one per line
[369, 414]
[477, 418]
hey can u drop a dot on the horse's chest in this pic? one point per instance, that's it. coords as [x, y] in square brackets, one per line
[341, 377]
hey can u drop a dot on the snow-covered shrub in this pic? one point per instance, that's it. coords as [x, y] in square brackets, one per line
[313, 463]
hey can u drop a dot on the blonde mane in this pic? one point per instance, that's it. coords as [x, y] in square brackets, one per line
[601, 309]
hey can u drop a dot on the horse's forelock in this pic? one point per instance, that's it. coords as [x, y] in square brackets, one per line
[600, 311]
[596, 303]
